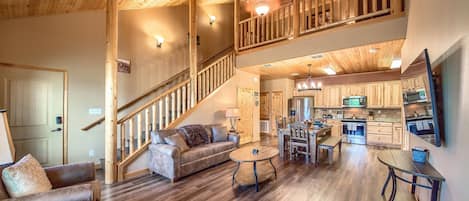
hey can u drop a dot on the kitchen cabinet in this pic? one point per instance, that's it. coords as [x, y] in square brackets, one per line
[333, 97]
[384, 133]
[319, 99]
[353, 90]
[392, 94]
[336, 129]
[397, 133]
[374, 93]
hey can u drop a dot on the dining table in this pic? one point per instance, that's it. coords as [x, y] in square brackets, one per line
[316, 134]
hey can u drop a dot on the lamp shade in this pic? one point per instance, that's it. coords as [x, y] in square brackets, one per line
[7, 150]
[232, 112]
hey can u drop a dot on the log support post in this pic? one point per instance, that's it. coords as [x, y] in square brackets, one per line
[193, 51]
[111, 91]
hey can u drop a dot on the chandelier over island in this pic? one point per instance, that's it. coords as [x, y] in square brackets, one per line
[309, 83]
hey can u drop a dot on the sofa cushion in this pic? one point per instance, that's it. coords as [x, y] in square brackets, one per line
[178, 141]
[3, 190]
[206, 150]
[220, 134]
[157, 137]
[195, 135]
[26, 177]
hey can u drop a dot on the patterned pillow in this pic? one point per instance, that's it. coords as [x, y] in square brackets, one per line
[195, 135]
[26, 177]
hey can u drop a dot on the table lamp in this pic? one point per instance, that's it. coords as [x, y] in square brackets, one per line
[7, 150]
[233, 115]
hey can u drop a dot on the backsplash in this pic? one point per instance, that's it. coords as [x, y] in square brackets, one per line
[379, 114]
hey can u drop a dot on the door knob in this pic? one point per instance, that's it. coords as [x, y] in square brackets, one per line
[56, 130]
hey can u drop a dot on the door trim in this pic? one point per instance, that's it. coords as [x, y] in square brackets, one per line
[65, 100]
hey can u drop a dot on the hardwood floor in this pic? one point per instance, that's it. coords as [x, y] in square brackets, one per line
[355, 175]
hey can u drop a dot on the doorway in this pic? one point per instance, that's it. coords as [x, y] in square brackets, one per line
[35, 99]
[246, 106]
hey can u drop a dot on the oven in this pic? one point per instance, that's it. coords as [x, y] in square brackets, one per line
[354, 131]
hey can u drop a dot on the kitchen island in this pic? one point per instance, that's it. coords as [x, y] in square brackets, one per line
[316, 134]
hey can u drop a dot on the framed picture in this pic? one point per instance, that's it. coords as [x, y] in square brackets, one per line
[123, 66]
[7, 149]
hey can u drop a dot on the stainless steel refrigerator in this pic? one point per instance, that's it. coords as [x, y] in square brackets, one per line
[301, 108]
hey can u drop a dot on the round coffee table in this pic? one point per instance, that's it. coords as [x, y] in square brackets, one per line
[262, 167]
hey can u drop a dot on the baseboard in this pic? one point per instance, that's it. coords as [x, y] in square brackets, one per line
[136, 173]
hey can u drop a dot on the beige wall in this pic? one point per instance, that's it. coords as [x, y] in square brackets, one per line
[76, 42]
[438, 26]
[284, 85]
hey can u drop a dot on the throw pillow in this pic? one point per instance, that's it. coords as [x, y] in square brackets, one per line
[195, 135]
[178, 141]
[26, 177]
[220, 134]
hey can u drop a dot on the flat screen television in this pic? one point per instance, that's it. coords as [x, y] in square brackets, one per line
[421, 88]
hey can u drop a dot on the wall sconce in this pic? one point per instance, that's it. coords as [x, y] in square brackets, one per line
[159, 41]
[212, 19]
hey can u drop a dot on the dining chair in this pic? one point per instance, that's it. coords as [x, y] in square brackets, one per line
[299, 140]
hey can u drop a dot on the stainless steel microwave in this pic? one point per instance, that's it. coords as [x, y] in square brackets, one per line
[354, 102]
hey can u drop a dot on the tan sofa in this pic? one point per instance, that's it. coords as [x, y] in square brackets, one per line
[168, 161]
[74, 182]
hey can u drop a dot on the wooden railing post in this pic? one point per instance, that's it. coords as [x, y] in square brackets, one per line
[296, 18]
[396, 7]
[111, 92]
[236, 25]
[193, 50]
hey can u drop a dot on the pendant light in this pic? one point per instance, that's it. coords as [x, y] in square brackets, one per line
[309, 83]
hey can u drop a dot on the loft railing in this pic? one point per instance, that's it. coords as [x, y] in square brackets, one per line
[259, 30]
[302, 17]
[166, 110]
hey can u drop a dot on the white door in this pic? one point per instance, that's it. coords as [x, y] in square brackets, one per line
[34, 100]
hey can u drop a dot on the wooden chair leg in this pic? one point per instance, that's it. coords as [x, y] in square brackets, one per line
[330, 155]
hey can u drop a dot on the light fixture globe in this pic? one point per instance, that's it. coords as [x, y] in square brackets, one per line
[262, 8]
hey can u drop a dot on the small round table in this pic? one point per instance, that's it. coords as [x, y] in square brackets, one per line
[262, 167]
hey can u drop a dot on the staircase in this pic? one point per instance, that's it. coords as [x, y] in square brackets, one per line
[166, 110]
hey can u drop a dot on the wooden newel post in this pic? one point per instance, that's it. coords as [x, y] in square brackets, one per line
[236, 25]
[193, 51]
[111, 91]
[296, 18]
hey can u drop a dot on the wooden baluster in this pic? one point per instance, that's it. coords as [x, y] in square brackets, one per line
[374, 5]
[167, 112]
[365, 7]
[258, 31]
[139, 130]
[307, 14]
[324, 21]
[223, 72]
[396, 7]
[316, 13]
[267, 27]
[122, 140]
[217, 66]
[188, 106]
[147, 125]
[355, 7]
[339, 10]
[199, 89]
[261, 18]
[272, 25]
[173, 106]
[153, 117]
[131, 136]
[178, 102]
[384, 4]
[346, 9]
[277, 27]
[331, 11]
[160, 115]
[184, 101]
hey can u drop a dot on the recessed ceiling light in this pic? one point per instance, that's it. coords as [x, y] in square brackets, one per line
[317, 56]
[373, 50]
[294, 74]
[267, 65]
[396, 63]
[329, 71]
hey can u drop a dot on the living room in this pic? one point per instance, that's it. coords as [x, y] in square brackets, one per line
[166, 71]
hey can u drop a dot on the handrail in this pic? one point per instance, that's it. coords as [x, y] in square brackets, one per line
[213, 58]
[135, 100]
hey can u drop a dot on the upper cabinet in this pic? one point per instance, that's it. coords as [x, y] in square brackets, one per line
[386, 94]
[375, 95]
[392, 94]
